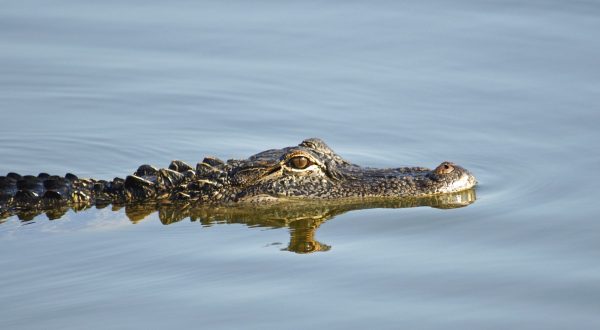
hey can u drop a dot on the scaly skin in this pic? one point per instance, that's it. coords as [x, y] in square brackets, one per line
[309, 171]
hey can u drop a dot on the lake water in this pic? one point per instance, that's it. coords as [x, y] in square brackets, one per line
[507, 89]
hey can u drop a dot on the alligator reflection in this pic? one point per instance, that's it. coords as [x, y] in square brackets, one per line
[302, 218]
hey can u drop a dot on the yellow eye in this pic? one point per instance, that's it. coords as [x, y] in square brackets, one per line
[299, 162]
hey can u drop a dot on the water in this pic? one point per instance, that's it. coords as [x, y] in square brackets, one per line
[509, 90]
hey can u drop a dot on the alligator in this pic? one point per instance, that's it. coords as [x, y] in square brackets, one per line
[310, 171]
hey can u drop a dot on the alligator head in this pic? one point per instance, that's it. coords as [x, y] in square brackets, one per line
[312, 170]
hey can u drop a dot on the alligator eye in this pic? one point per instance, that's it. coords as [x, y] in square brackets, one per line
[444, 168]
[299, 162]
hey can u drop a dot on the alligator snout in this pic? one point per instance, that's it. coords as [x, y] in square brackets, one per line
[451, 178]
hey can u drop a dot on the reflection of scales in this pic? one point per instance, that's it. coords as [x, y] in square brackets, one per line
[302, 218]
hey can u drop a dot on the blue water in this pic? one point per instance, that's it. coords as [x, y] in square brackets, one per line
[507, 89]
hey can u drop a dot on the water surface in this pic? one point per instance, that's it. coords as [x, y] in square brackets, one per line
[509, 90]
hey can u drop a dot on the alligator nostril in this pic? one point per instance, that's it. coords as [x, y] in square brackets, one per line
[444, 168]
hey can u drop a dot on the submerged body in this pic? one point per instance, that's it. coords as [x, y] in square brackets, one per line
[309, 171]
